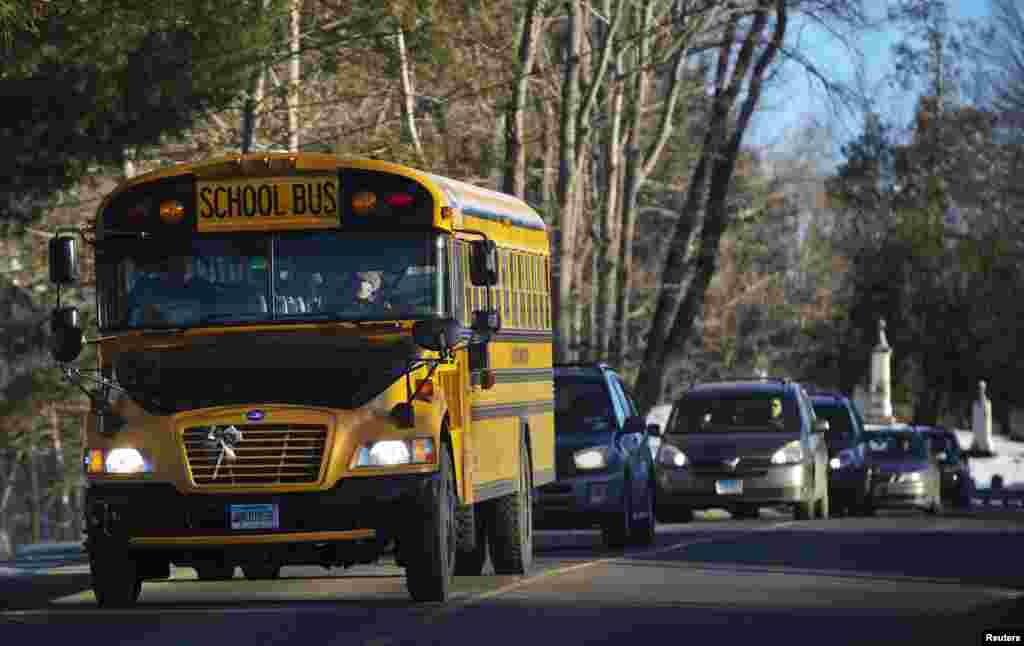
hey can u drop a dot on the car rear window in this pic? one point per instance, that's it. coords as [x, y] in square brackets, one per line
[582, 406]
[735, 413]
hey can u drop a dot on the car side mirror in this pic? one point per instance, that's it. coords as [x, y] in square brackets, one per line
[437, 335]
[821, 426]
[67, 341]
[634, 425]
[63, 259]
[483, 266]
[941, 456]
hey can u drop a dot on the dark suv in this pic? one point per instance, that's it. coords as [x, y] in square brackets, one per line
[742, 445]
[849, 475]
[604, 466]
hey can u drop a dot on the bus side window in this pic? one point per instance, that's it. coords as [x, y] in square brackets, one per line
[457, 287]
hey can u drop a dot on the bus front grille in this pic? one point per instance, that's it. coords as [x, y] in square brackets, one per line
[265, 455]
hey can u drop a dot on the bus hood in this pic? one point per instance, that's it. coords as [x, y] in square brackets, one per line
[263, 369]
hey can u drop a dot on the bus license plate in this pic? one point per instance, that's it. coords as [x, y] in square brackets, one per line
[254, 516]
[728, 487]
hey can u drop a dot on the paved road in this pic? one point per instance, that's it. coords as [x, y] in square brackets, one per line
[898, 578]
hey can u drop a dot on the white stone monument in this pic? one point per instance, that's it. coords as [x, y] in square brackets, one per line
[880, 395]
[982, 422]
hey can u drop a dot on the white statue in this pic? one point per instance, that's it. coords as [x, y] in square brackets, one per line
[982, 426]
[880, 392]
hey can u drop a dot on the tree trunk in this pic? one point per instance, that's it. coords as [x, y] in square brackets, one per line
[514, 173]
[62, 508]
[408, 96]
[35, 495]
[607, 258]
[682, 293]
[565, 235]
[295, 74]
[6, 543]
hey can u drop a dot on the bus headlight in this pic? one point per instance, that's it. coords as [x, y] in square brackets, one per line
[392, 453]
[119, 461]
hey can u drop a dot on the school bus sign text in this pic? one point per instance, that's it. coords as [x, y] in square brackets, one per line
[308, 202]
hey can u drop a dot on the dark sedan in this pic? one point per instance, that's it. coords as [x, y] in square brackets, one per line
[953, 465]
[904, 473]
[848, 476]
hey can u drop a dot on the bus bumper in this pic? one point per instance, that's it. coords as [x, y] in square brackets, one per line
[354, 522]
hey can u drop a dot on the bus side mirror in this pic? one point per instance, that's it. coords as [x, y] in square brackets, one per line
[63, 256]
[483, 266]
[437, 335]
[67, 341]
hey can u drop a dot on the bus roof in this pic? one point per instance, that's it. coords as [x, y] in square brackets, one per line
[469, 199]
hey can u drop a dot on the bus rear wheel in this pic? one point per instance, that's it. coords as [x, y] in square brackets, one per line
[510, 523]
[429, 569]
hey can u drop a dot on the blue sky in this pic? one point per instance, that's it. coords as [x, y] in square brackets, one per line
[796, 99]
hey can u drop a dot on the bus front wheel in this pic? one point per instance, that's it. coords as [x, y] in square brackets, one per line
[115, 580]
[430, 561]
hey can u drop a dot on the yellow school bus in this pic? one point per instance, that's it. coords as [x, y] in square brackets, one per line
[309, 359]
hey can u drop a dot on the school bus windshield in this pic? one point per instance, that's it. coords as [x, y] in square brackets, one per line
[252, 278]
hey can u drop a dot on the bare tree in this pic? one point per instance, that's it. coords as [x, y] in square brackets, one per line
[514, 176]
[686, 274]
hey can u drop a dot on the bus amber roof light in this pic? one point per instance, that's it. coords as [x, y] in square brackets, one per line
[363, 202]
[171, 212]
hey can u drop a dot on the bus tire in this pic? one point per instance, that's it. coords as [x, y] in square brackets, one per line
[510, 523]
[431, 554]
[115, 580]
[471, 554]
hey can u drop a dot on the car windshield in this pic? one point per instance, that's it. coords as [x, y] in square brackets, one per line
[319, 275]
[884, 444]
[840, 427]
[582, 406]
[733, 413]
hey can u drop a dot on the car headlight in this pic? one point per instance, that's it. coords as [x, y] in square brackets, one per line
[671, 456]
[842, 460]
[909, 477]
[119, 461]
[792, 453]
[593, 458]
[392, 453]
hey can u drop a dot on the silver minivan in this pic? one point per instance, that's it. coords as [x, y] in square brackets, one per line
[740, 446]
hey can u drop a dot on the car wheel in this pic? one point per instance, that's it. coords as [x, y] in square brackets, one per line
[509, 523]
[214, 571]
[673, 514]
[115, 580]
[615, 530]
[642, 530]
[804, 510]
[821, 509]
[430, 564]
[747, 512]
[261, 571]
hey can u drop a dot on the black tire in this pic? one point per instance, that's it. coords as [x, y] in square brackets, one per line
[747, 512]
[469, 561]
[115, 580]
[804, 510]
[430, 559]
[509, 523]
[673, 514]
[642, 530]
[214, 571]
[261, 571]
[615, 528]
[821, 507]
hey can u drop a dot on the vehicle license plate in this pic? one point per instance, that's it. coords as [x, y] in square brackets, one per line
[254, 516]
[728, 487]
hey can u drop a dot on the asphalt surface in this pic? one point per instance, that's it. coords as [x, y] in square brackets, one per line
[894, 579]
